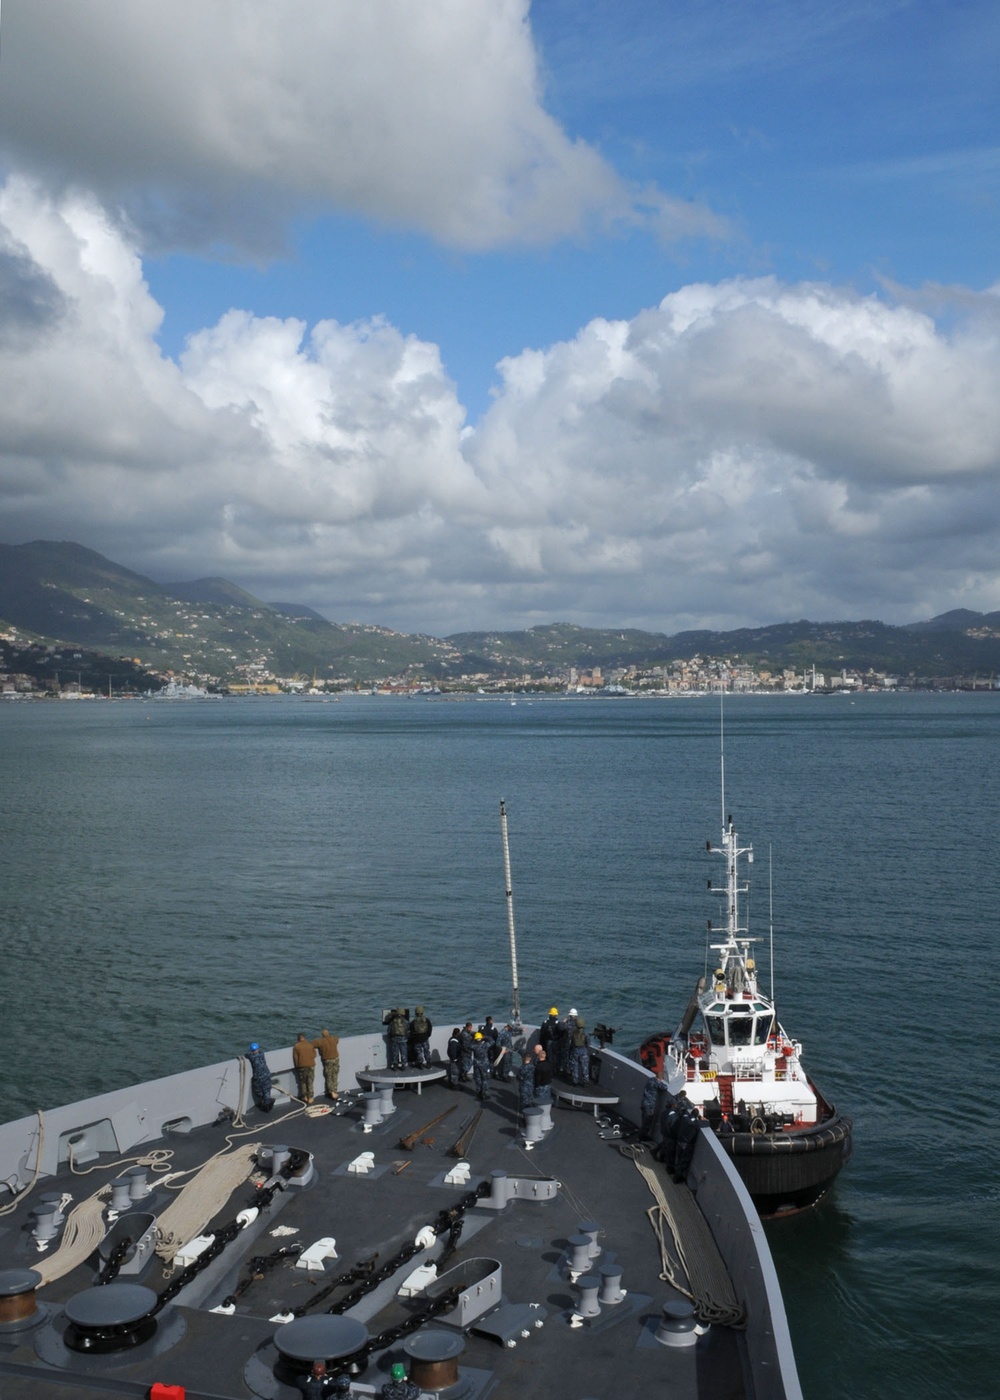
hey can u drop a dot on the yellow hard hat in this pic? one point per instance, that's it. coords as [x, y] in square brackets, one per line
[553, 1011]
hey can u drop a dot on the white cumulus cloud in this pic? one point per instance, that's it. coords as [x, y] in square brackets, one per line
[218, 119]
[739, 453]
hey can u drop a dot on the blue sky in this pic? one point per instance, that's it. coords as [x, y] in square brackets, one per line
[857, 143]
[658, 314]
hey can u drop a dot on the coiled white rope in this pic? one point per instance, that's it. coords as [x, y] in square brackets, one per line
[83, 1232]
[202, 1198]
[698, 1271]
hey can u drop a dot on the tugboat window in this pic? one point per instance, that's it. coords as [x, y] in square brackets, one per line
[762, 1029]
[716, 1029]
[740, 1030]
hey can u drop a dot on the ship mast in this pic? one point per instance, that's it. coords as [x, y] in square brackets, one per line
[515, 1008]
[736, 947]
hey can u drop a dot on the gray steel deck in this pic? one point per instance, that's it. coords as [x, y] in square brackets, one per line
[614, 1355]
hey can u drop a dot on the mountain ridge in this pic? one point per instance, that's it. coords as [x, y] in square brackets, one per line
[62, 592]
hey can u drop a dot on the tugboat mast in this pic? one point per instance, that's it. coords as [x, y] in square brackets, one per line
[734, 961]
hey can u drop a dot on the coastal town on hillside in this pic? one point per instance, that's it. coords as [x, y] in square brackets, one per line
[37, 671]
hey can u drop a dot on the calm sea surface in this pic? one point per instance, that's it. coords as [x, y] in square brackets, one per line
[180, 877]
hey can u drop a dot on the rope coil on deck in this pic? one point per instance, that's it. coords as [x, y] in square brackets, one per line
[698, 1271]
[202, 1198]
[83, 1232]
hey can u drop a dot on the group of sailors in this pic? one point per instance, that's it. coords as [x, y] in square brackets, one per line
[496, 1052]
[409, 1040]
[481, 1055]
[478, 1055]
[305, 1053]
[671, 1124]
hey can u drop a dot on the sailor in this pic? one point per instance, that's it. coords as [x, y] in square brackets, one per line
[561, 1046]
[466, 1039]
[505, 1046]
[398, 1029]
[526, 1079]
[650, 1106]
[318, 1385]
[549, 1027]
[543, 1077]
[688, 1127]
[669, 1128]
[454, 1053]
[329, 1052]
[399, 1387]
[304, 1060]
[260, 1078]
[491, 1035]
[578, 1058]
[420, 1034]
[480, 1064]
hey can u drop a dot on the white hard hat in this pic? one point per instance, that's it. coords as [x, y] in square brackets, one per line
[572, 1011]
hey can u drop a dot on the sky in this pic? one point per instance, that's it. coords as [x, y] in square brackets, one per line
[457, 315]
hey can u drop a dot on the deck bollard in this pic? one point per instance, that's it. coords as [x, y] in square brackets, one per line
[588, 1306]
[373, 1110]
[611, 1289]
[677, 1327]
[590, 1228]
[579, 1254]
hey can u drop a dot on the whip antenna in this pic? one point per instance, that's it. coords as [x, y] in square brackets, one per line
[515, 1009]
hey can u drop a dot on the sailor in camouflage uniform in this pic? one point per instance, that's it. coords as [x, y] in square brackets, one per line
[505, 1043]
[480, 1064]
[329, 1051]
[466, 1040]
[260, 1079]
[304, 1062]
[398, 1029]
[578, 1058]
[688, 1128]
[420, 1035]
[526, 1081]
[670, 1121]
[650, 1106]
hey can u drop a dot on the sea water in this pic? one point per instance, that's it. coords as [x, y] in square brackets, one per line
[179, 878]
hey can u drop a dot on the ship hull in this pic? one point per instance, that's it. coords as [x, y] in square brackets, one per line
[788, 1172]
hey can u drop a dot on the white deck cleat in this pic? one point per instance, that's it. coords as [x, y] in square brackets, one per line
[189, 1252]
[418, 1281]
[313, 1257]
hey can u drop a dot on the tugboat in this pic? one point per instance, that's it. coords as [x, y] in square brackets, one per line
[743, 1072]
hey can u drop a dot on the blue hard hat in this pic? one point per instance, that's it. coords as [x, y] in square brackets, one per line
[254, 1045]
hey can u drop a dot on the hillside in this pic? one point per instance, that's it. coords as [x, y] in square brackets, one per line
[934, 648]
[65, 594]
[62, 592]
